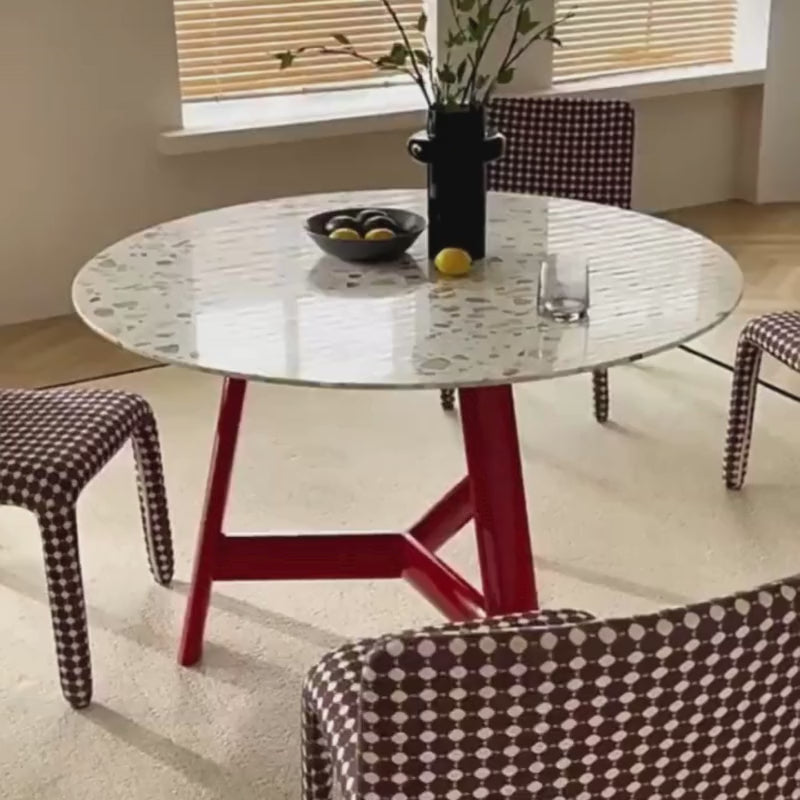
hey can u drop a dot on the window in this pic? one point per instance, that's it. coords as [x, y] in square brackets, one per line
[615, 36]
[226, 47]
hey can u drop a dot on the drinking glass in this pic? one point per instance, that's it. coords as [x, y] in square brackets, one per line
[564, 286]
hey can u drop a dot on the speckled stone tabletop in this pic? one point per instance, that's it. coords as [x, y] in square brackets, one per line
[242, 291]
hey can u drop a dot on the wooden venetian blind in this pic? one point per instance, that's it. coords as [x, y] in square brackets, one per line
[226, 47]
[615, 36]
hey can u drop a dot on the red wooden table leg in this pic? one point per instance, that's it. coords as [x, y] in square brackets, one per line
[498, 494]
[230, 414]
[446, 518]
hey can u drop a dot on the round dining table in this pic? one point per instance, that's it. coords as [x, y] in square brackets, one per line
[242, 292]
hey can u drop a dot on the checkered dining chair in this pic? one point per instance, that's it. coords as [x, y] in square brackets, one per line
[778, 335]
[696, 702]
[577, 149]
[52, 443]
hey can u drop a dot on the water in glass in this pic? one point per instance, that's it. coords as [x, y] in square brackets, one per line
[564, 287]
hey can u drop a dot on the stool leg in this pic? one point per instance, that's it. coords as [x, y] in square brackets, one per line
[62, 566]
[153, 499]
[742, 409]
[600, 392]
[316, 759]
[448, 399]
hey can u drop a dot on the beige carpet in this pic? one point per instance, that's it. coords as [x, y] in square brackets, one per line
[625, 517]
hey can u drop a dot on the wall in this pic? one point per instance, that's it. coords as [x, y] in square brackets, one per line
[779, 157]
[91, 84]
[687, 149]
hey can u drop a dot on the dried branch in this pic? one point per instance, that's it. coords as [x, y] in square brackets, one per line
[420, 80]
[483, 45]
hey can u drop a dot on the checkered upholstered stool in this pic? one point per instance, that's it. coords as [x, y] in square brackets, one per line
[52, 443]
[696, 702]
[335, 696]
[577, 149]
[779, 336]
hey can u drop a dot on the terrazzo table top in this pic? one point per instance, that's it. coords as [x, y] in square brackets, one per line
[244, 292]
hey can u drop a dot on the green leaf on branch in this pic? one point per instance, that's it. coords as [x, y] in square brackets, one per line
[399, 54]
[465, 5]
[461, 70]
[385, 62]
[341, 38]
[524, 22]
[505, 75]
[446, 74]
[422, 22]
[455, 39]
[286, 59]
[422, 58]
[477, 26]
[555, 40]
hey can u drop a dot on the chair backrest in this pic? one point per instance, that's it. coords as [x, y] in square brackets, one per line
[699, 703]
[578, 149]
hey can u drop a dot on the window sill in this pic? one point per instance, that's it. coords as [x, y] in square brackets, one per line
[226, 124]
[232, 124]
[662, 82]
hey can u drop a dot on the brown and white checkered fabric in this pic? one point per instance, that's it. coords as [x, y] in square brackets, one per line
[332, 694]
[697, 702]
[578, 149]
[52, 443]
[777, 335]
[572, 148]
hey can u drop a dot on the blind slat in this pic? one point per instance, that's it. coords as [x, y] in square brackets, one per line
[640, 43]
[255, 60]
[372, 43]
[634, 56]
[617, 36]
[574, 44]
[260, 30]
[253, 86]
[621, 67]
[617, 24]
[226, 48]
[345, 10]
[585, 7]
[219, 8]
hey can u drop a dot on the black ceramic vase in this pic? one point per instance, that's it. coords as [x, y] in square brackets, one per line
[456, 148]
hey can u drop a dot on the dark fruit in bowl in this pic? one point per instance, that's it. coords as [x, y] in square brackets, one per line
[376, 242]
[367, 213]
[342, 221]
[384, 222]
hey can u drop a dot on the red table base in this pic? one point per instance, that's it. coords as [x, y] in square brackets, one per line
[492, 495]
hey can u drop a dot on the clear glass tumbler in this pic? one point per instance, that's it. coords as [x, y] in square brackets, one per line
[564, 286]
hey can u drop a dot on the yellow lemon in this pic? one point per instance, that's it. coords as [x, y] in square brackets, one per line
[345, 233]
[377, 234]
[453, 261]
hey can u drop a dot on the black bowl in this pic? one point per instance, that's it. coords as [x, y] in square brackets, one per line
[408, 224]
